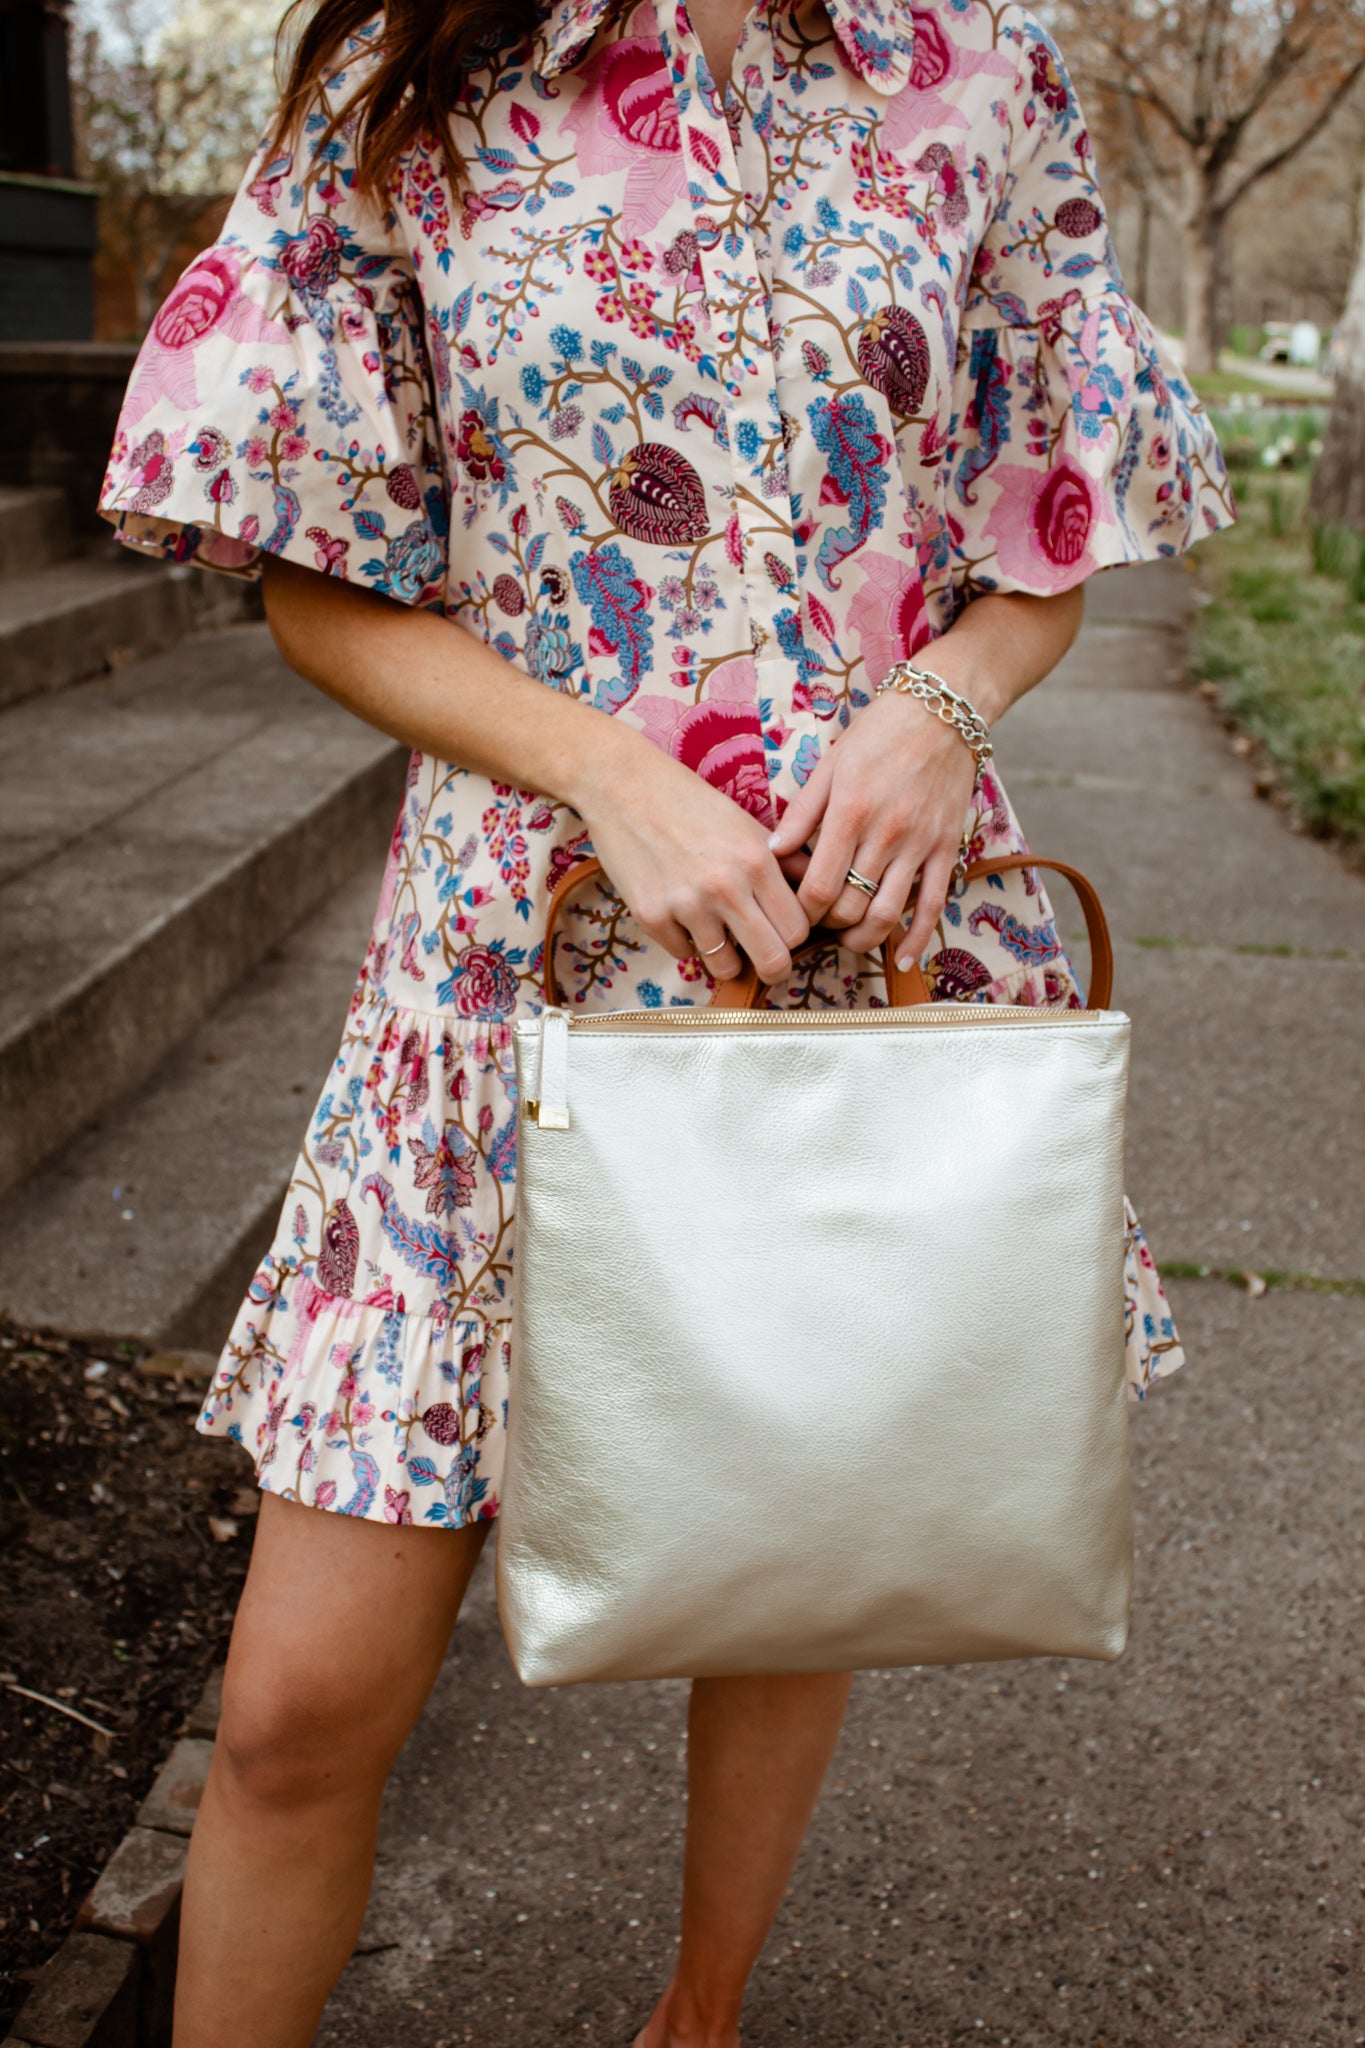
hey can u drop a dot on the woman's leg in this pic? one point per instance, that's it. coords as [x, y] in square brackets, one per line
[338, 1639]
[758, 1749]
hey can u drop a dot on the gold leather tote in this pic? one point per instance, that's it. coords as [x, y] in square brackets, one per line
[818, 1353]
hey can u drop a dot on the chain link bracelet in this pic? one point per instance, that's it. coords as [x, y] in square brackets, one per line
[944, 703]
[954, 710]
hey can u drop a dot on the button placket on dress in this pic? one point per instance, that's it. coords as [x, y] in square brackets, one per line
[739, 299]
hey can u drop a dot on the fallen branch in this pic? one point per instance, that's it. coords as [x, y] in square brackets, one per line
[60, 1707]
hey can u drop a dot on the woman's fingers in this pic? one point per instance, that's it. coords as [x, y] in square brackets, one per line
[781, 906]
[667, 932]
[933, 894]
[734, 903]
[831, 858]
[716, 951]
[760, 941]
[851, 906]
[769, 927]
[882, 914]
[804, 812]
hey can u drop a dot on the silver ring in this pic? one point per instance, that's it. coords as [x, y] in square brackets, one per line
[705, 952]
[861, 882]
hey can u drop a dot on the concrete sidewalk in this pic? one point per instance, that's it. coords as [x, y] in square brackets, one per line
[1162, 1851]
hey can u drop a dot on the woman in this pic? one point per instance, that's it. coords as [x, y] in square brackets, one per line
[612, 394]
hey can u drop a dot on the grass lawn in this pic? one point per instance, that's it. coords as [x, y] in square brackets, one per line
[1283, 641]
[1216, 385]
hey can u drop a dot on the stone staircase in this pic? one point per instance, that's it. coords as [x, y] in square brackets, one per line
[65, 614]
[191, 842]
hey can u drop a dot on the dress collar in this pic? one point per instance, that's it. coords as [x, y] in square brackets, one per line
[877, 36]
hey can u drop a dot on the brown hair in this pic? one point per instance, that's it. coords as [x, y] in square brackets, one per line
[426, 49]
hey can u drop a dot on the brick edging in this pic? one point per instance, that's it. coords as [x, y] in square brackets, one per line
[112, 1982]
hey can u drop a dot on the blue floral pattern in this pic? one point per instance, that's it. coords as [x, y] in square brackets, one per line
[702, 405]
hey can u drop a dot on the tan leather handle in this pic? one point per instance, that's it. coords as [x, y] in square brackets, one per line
[1101, 986]
[903, 985]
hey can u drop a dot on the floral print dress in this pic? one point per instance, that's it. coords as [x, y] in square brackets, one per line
[702, 406]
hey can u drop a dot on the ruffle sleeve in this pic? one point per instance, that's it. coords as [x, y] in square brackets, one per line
[1073, 444]
[282, 401]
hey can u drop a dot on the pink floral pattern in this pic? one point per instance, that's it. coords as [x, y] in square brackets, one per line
[702, 405]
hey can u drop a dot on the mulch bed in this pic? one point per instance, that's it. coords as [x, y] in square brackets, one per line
[125, 1540]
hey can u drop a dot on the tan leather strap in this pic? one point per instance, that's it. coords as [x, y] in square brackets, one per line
[903, 985]
[571, 879]
[1101, 984]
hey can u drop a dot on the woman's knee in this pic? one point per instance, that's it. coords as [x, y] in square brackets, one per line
[289, 1737]
[337, 1640]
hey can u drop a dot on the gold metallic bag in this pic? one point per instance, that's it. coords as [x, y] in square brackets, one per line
[818, 1357]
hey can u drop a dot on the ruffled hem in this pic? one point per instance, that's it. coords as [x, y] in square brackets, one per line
[1118, 461]
[220, 494]
[400, 1418]
[363, 1409]
[1151, 1343]
[188, 540]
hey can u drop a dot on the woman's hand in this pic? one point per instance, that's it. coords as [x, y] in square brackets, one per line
[888, 798]
[695, 869]
[690, 863]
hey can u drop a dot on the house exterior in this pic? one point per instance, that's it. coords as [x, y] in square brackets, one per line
[47, 214]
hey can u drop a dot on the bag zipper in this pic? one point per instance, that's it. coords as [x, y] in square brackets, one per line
[558, 1025]
[918, 1014]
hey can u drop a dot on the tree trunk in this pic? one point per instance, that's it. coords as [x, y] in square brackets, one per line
[1143, 292]
[145, 254]
[144, 301]
[1222, 294]
[1200, 237]
[1337, 497]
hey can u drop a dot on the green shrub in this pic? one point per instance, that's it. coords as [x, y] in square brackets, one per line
[1284, 639]
[1336, 552]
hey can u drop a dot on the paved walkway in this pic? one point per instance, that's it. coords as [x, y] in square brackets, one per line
[1298, 382]
[1290, 379]
[1162, 1851]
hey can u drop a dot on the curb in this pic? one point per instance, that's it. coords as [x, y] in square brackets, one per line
[112, 1982]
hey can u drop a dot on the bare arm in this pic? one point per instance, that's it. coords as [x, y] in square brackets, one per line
[1001, 647]
[691, 864]
[435, 686]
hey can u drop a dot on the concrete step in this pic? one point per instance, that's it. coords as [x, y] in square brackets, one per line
[150, 1223]
[161, 829]
[71, 620]
[35, 529]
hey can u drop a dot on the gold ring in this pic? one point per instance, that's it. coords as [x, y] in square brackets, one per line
[705, 952]
[861, 882]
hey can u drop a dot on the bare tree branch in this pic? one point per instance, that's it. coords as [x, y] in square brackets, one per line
[169, 104]
[1229, 200]
[1147, 95]
[1208, 66]
[1282, 63]
[1159, 181]
[1203, 86]
[1129, 67]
